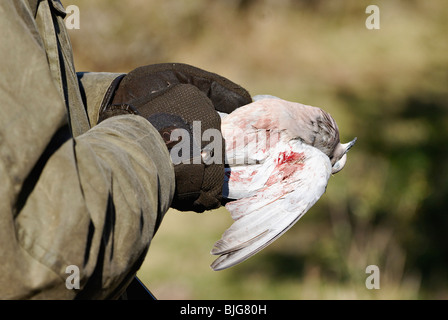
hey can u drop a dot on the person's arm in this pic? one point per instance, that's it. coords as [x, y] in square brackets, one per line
[90, 202]
[96, 88]
[96, 204]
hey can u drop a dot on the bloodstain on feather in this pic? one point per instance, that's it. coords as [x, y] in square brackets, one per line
[238, 176]
[287, 164]
[235, 176]
[287, 157]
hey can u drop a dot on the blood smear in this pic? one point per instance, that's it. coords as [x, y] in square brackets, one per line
[287, 164]
[287, 156]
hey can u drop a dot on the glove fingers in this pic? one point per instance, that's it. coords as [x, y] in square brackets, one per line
[225, 95]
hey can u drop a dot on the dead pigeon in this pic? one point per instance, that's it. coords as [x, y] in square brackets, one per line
[279, 157]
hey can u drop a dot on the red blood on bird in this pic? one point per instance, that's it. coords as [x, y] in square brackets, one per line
[235, 176]
[287, 156]
[287, 164]
[238, 176]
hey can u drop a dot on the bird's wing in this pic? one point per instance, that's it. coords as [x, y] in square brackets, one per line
[247, 169]
[290, 181]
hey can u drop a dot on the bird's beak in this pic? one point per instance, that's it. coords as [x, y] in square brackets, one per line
[348, 145]
[339, 165]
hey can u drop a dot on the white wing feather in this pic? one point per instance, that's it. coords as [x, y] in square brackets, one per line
[273, 195]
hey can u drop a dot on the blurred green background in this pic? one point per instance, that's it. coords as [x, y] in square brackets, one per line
[388, 87]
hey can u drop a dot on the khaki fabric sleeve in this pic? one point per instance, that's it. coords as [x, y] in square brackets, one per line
[95, 206]
[94, 88]
[91, 202]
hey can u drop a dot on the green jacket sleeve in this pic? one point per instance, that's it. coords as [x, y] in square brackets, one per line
[92, 201]
[94, 88]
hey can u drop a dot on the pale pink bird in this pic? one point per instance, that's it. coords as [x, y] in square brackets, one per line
[280, 155]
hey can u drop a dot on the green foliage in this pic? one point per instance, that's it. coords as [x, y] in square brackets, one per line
[388, 87]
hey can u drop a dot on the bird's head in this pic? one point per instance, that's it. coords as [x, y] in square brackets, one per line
[322, 132]
[339, 156]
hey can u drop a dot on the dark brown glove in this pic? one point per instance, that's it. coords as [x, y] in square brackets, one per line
[173, 96]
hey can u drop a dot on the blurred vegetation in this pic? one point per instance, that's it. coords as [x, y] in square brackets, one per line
[388, 87]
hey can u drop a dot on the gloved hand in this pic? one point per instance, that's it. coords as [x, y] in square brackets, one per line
[173, 96]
